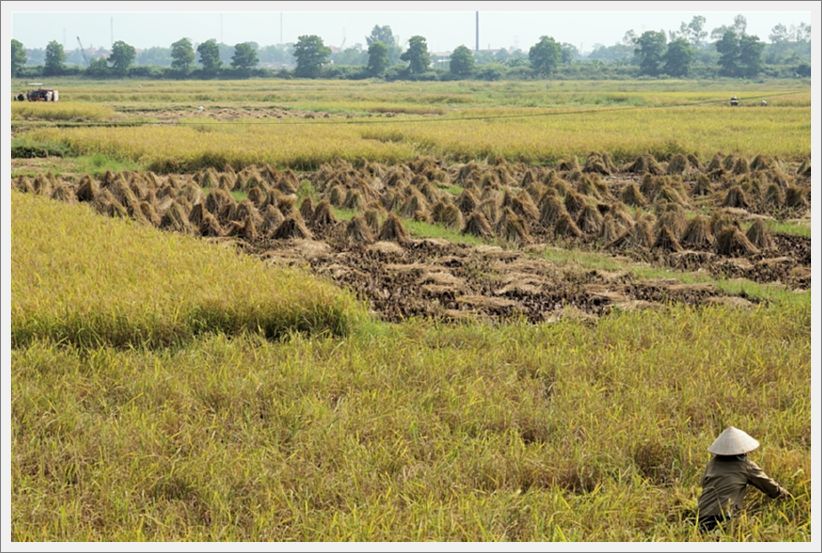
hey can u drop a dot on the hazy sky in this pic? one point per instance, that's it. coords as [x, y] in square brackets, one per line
[444, 30]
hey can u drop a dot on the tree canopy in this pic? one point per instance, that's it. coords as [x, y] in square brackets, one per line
[311, 54]
[55, 58]
[122, 56]
[417, 55]
[462, 62]
[245, 56]
[182, 55]
[18, 56]
[545, 55]
[210, 57]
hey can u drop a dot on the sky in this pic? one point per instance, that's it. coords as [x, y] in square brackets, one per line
[500, 26]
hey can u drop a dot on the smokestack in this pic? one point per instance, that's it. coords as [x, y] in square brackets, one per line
[476, 46]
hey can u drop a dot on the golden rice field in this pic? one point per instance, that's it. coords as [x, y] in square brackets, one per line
[566, 431]
[438, 119]
[173, 388]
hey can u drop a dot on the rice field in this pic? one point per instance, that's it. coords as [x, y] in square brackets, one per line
[540, 123]
[184, 369]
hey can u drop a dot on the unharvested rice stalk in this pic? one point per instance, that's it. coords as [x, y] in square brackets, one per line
[511, 228]
[393, 230]
[760, 236]
[736, 197]
[678, 165]
[176, 219]
[307, 209]
[590, 220]
[292, 227]
[732, 242]
[698, 235]
[795, 197]
[477, 224]
[323, 216]
[645, 164]
[357, 231]
[666, 240]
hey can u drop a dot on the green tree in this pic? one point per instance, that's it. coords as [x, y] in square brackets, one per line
[693, 31]
[462, 62]
[728, 48]
[18, 56]
[122, 56]
[55, 58]
[210, 57]
[386, 36]
[750, 55]
[311, 54]
[182, 55]
[650, 50]
[417, 55]
[245, 56]
[545, 55]
[377, 58]
[678, 58]
[98, 68]
[569, 52]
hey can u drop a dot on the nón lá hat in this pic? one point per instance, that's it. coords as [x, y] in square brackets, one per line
[733, 441]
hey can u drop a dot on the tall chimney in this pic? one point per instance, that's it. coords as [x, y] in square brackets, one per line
[476, 46]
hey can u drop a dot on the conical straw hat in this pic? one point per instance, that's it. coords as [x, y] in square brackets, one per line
[733, 441]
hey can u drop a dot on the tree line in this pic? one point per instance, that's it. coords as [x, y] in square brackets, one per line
[734, 53]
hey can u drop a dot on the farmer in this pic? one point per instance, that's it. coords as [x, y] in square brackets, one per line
[727, 477]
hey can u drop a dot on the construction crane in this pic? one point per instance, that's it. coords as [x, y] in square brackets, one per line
[82, 51]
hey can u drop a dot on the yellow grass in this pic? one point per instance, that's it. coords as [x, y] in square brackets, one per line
[87, 279]
[60, 111]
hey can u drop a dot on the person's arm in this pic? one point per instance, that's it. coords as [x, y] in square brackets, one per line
[764, 483]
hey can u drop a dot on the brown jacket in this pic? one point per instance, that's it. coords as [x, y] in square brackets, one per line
[725, 483]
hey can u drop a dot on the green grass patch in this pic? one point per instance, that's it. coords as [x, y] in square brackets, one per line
[159, 288]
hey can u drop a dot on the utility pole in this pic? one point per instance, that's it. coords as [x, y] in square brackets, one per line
[476, 45]
[112, 32]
